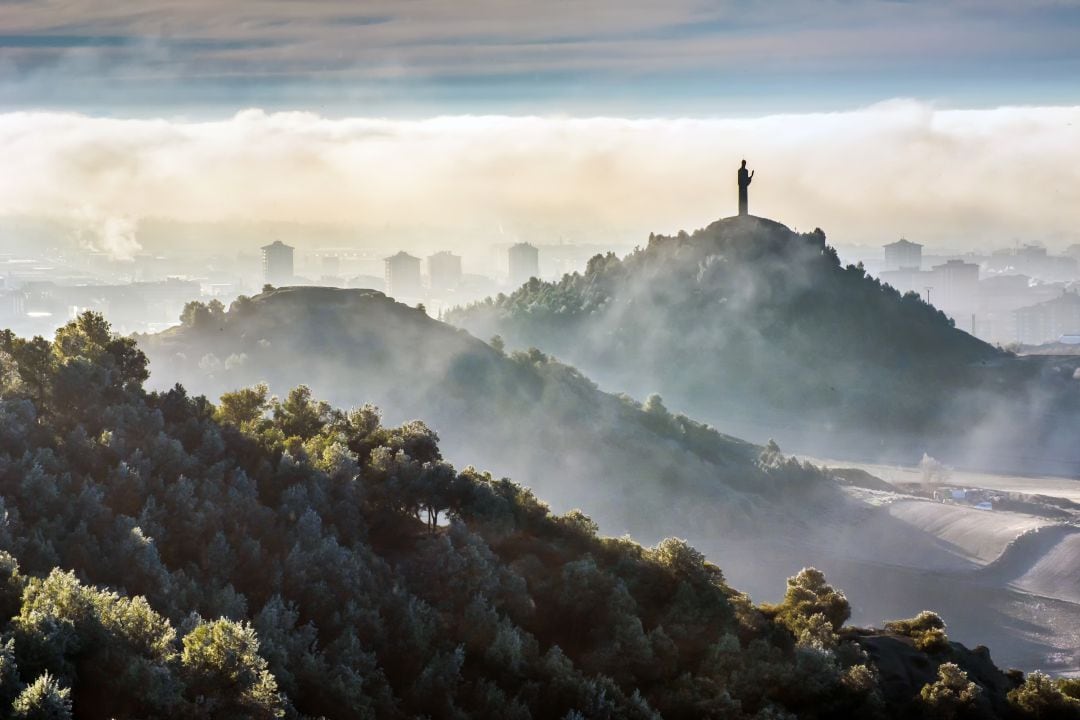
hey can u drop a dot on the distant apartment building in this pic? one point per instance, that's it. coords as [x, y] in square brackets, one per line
[903, 255]
[952, 287]
[1000, 296]
[906, 281]
[523, 262]
[1034, 261]
[402, 275]
[955, 288]
[444, 271]
[1050, 320]
[277, 263]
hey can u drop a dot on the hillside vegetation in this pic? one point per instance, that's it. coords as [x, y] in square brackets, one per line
[746, 320]
[162, 556]
[521, 414]
[637, 468]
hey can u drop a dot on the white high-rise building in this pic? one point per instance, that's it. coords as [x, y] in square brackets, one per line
[444, 271]
[523, 262]
[903, 255]
[402, 275]
[277, 263]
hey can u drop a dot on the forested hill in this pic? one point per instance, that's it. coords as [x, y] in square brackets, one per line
[162, 556]
[748, 316]
[522, 415]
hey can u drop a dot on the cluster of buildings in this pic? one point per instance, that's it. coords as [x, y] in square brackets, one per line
[1024, 295]
[952, 285]
[40, 293]
[439, 277]
[38, 307]
[1020, 295]
[406, 277]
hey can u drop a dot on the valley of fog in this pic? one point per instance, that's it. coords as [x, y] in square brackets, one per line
[637, 468]
[959, 177]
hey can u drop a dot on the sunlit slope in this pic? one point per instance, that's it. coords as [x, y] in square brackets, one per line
[1045, 562]
[1057, 573]
[1032, 554]
[762, 331]
[522, 415]
[1065, 488]
[980, 535]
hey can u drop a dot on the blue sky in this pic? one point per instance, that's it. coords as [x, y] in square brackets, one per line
[417, 58]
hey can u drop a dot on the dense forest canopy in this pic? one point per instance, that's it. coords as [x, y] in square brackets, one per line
[747, 319]
[163, 556]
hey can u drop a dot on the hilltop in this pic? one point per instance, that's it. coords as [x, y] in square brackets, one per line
[750, 325]
[165, 556]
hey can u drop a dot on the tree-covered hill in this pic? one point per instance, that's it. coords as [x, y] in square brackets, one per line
[746, 320]
[162, 556]
[523, 415]
[636, 468]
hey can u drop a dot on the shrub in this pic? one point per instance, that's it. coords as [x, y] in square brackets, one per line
[951, 695]
[44, 699]
[1041, 697]
[927, 629]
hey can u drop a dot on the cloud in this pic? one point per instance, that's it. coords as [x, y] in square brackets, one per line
[58, 53]
[967, 178]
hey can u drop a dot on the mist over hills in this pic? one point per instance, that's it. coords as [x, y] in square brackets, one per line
[522, 415]
[762, 331]
[634, 468]
[165, 556]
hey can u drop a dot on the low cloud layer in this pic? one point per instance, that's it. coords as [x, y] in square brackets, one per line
[965, 178]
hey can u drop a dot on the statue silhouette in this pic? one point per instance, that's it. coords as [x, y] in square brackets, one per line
[744, 182]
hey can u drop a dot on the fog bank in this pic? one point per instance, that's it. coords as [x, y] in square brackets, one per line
[963, 177]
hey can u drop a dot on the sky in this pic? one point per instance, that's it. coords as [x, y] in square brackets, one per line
[622, 57]
[952, 121]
